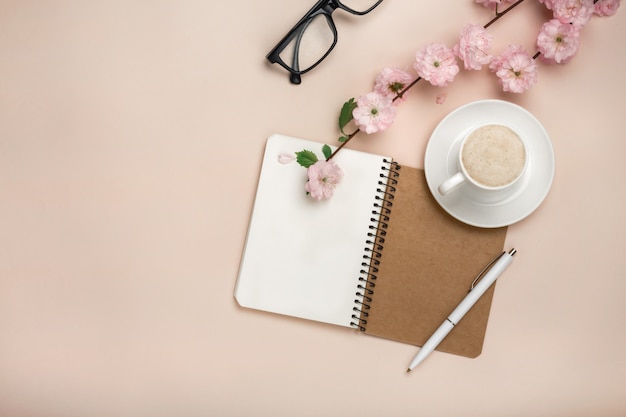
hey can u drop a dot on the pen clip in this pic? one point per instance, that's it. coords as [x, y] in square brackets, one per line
[485, 269]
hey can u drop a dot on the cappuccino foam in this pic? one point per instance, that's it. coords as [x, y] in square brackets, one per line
[493, 155]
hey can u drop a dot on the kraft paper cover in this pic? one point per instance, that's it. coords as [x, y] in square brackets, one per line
[427, 265]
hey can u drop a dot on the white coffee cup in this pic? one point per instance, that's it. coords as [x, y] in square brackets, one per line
[491, 160]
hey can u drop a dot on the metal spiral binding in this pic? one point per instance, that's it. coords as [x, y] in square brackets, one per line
[373, 250]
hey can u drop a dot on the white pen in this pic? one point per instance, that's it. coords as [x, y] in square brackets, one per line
[493, 271]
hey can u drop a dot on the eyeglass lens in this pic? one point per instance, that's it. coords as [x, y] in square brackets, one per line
[312, 40]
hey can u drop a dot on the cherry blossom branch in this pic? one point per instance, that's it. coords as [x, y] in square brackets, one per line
[491, 22]
[558, 50]
[557, 42]
[400, 94]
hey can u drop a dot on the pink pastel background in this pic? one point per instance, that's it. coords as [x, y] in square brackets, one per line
[131, 135]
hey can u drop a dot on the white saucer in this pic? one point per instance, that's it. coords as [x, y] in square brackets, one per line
[441, 163]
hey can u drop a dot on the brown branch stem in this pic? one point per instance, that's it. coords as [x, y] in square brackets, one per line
[502, 13]
[344, 143]
[401, 93]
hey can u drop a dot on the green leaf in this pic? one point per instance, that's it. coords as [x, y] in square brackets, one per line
[327, 151]
[342, 139]
[306, 158]
[346, 114]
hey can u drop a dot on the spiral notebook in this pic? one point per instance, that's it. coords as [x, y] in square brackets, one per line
[380, 256]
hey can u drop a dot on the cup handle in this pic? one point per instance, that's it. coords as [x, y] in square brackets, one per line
[451, 183]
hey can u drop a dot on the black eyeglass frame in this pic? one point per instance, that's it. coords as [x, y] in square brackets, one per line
[322, 7]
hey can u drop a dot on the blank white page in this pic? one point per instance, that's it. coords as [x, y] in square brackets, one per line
[303, 257]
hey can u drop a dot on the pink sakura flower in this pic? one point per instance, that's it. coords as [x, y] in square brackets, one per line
[323, 178]
[576, 12]
[392, 81]
[436, 64]
[606, 7]
[558, 42]
[474, 47]
[374, 112]
[492, 4]
[516, 70]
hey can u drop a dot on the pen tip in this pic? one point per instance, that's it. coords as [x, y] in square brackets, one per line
[408, 370]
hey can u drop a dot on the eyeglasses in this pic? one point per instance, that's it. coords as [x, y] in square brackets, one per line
[314, 36]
